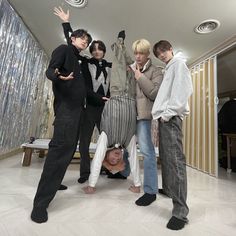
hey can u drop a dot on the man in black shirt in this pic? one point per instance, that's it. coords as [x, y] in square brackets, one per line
[96, 71]
[69, 91]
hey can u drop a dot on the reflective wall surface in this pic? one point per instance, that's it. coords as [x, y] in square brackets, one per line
[25, 94]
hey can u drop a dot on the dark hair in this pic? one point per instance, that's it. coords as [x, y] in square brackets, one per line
[81, 33]
[162, 46]
[101, 46]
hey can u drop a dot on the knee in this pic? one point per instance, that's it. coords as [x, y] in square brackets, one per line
[148, 152]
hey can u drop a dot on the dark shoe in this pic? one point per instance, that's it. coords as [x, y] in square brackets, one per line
[62, 187]
[161, 191]
[146, 199]
[175, 223]
[81, 180]
[115, 176]
[39, 215]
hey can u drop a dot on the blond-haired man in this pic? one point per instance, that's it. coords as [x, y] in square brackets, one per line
[148, 80]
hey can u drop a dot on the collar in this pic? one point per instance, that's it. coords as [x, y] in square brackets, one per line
[102, 63]
[76, 51]
[145, 67]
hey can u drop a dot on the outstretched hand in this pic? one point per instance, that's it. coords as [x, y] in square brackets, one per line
[69, 77]
[134, 189]
[89, 190]
[105, 99]
[64, 16]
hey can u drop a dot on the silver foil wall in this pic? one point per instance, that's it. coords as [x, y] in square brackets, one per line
[25, 94]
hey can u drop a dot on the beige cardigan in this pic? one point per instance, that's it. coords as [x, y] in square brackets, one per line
[147, 87]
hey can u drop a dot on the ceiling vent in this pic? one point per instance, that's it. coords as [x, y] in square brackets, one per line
[207, 26]
[77, 3]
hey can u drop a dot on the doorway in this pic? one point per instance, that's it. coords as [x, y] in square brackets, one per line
[226, 92]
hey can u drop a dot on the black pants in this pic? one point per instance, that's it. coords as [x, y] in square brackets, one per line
[92, 117]
[61, 150]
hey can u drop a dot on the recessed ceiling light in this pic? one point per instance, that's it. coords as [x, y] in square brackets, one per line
[207, 26]
[77, 3]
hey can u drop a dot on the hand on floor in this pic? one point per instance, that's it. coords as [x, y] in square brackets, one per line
[134, 189]
[89, 190]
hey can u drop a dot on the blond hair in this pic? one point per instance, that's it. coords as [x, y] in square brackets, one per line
[141, 46]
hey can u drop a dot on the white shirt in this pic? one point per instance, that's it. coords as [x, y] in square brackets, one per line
[176, 88]
[100, 155]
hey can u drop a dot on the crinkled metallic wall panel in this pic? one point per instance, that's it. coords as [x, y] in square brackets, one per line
[24, 94]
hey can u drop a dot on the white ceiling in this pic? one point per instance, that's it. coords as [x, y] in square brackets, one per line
[154, 20]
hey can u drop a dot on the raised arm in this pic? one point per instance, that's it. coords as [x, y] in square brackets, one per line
[119, 50]
[64, 16]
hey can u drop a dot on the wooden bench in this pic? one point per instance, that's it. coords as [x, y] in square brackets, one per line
[42, 145]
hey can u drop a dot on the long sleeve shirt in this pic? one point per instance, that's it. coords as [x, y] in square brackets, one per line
[99, 156]
[176, 88]
[72, 92]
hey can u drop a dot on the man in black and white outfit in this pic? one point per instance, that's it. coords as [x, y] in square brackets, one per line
[97, 73]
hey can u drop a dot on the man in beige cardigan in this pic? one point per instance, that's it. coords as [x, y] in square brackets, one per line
[148, 80]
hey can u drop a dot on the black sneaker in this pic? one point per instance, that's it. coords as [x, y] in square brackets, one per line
[81, 180]
[146, 199]
[39, 215]
[175, 223]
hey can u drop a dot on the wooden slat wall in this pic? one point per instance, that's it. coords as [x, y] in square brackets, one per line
[200, 127]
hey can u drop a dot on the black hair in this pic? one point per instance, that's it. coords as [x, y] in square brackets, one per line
[81, 33]
[162, 45]
[101, 46]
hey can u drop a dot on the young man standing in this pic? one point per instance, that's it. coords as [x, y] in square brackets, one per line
[170, 107]
[148, 80]
[97, 73]
[69, 99]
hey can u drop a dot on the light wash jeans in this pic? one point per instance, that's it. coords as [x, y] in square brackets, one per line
[174, 165]
[150, 183]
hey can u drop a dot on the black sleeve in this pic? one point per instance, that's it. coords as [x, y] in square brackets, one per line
[108, 92]
[109, 64]
[67, 30]
[94, 98]
[56, 62]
